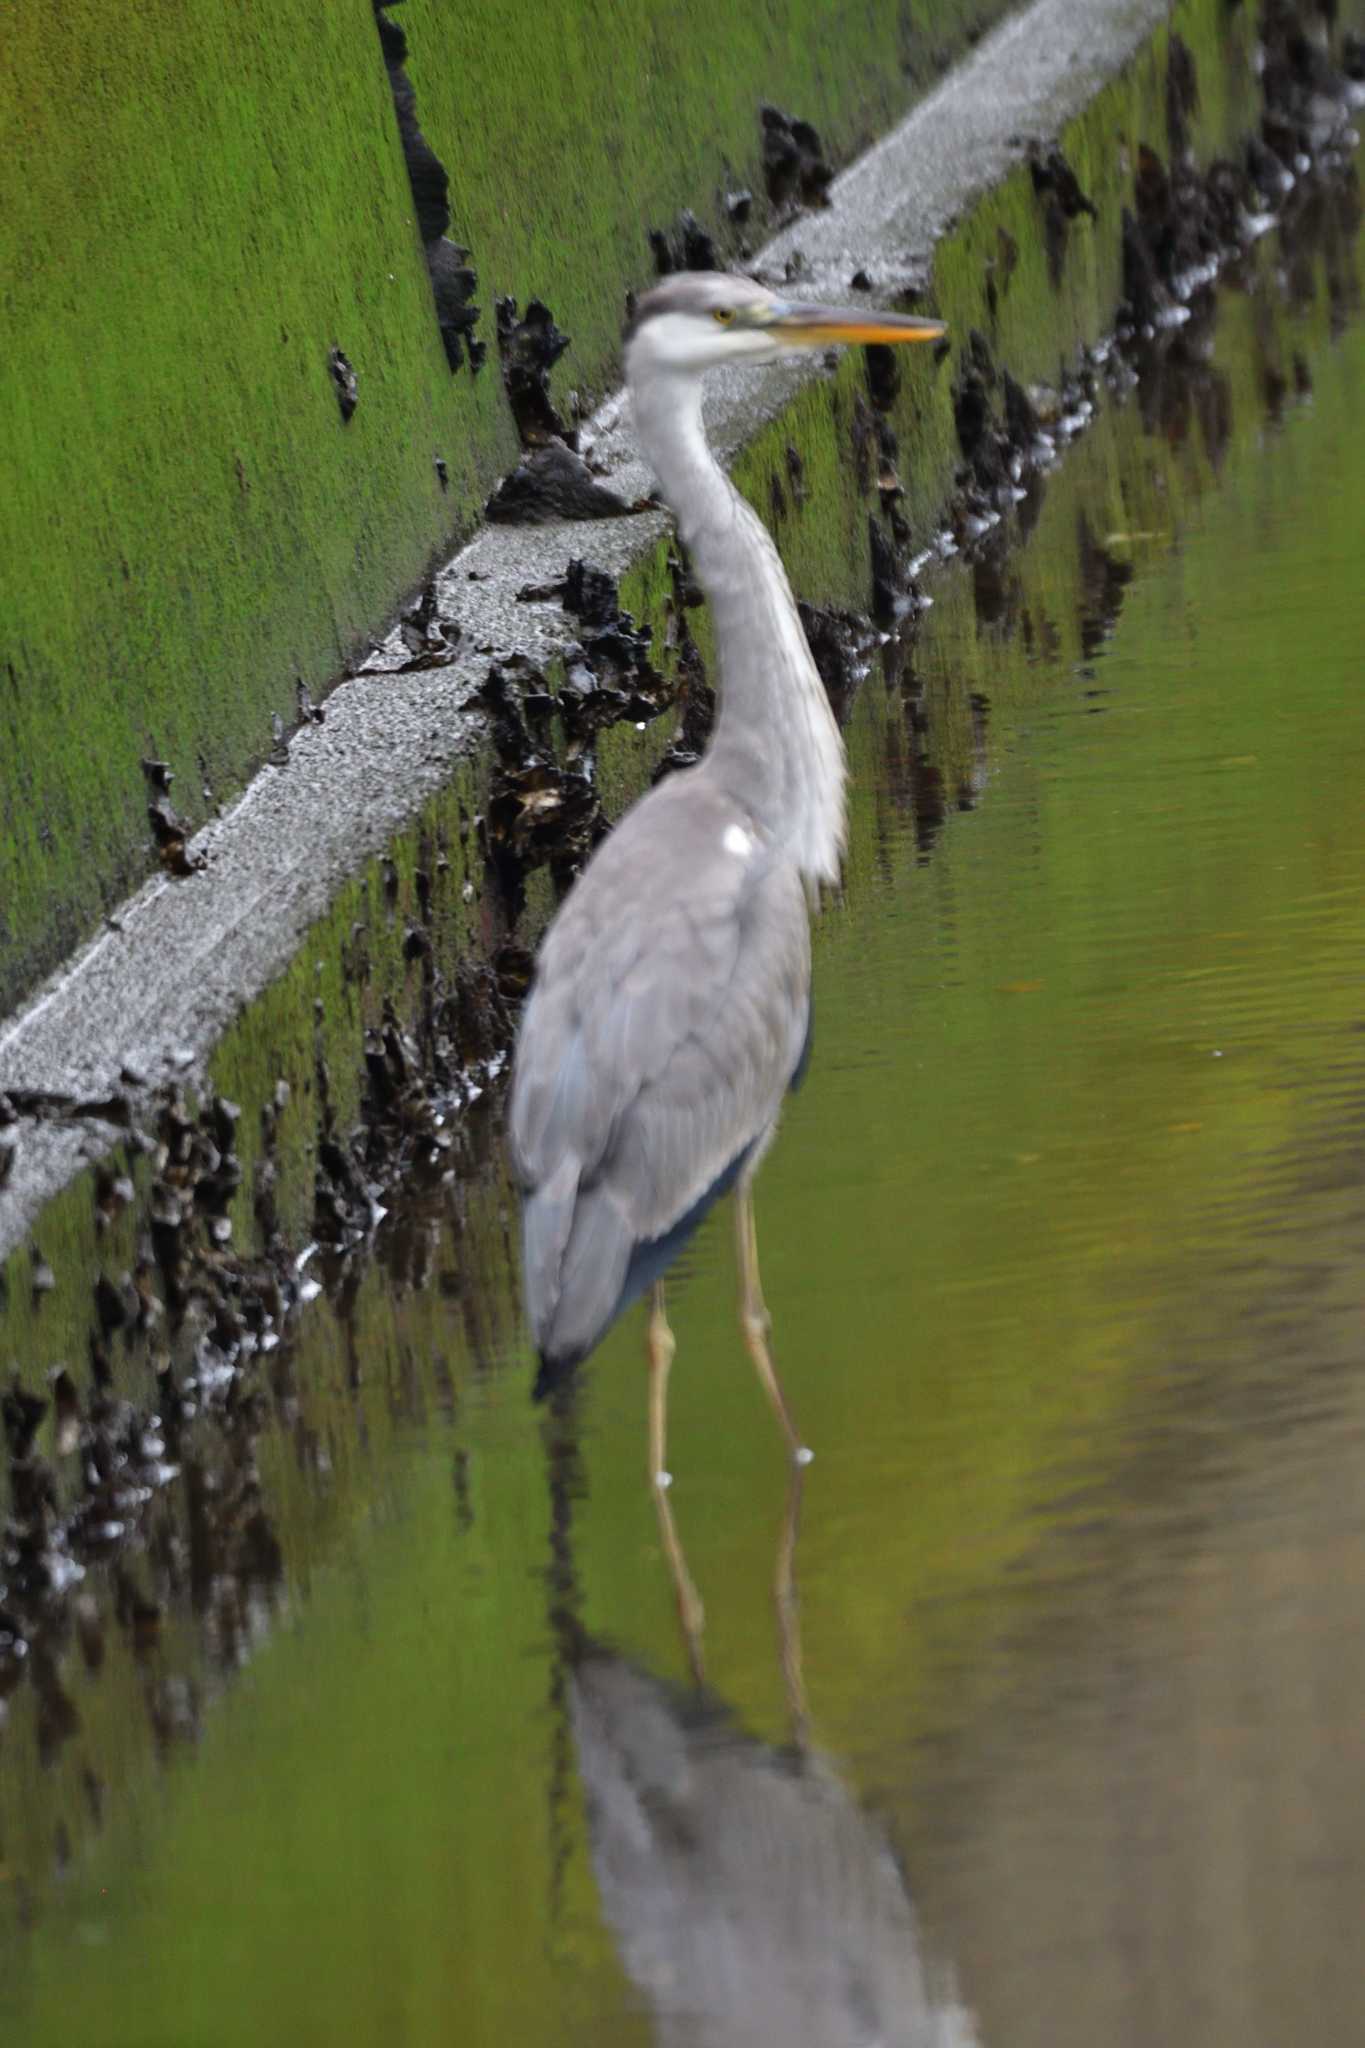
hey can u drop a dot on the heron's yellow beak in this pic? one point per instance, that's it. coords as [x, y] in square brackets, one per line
[824, 326]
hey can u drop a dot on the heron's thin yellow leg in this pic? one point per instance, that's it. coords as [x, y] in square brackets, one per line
[661, 1350]
[788, 1612]
[690, 1611]
[755, 1320]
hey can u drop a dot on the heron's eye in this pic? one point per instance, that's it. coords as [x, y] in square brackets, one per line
[723, 315]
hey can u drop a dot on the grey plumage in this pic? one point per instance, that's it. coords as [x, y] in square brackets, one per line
[751, 1898]
[672, 996]
[667, 1019]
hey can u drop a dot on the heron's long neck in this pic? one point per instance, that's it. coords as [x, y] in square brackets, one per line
[775, 741]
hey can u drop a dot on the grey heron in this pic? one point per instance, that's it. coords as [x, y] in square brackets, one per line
[670, 1009]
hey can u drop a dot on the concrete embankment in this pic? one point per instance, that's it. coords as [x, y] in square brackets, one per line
[198, 206]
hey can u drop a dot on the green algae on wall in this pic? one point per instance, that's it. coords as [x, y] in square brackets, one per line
[602, 135]
[199, 204]
[196, 206]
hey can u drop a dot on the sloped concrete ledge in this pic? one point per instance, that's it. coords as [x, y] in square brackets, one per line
[152, 993]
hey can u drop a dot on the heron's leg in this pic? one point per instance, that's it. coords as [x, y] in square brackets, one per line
[788, 1612]
[754, 1318]
[661, 1349]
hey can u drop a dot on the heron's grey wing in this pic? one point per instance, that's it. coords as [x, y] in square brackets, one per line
[666, 1019]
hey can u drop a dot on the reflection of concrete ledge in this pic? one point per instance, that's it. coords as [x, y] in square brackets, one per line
[155, 993]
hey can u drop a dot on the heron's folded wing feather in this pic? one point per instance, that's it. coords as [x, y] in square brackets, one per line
[643, 945]
[668, 1011]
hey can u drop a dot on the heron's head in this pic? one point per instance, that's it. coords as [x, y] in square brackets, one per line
[698, 319]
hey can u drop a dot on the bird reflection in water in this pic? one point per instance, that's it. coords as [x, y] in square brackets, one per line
[751, 1898]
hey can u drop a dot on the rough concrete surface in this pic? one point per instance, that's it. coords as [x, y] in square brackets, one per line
[153, 993]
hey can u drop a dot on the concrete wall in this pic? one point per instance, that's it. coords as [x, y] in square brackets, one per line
[197, 203]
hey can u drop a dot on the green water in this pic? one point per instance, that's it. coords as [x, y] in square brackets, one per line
[1064, 1240]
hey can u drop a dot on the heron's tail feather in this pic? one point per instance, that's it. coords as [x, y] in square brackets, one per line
[577, 1247]
[552, 1374]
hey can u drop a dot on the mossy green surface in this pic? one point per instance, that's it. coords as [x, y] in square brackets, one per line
[198, 206]
[195, 207]
[569, 136]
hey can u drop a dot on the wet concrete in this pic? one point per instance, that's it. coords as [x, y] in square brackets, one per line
[153, 993]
